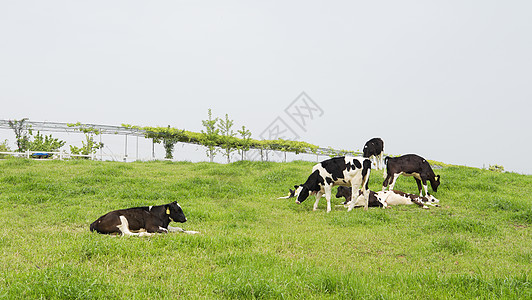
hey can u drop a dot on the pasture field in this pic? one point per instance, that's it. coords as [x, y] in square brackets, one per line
[477, 245]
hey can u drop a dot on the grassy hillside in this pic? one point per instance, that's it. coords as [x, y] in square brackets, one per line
[253, 246]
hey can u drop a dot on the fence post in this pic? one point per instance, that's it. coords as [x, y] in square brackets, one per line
[125, 151]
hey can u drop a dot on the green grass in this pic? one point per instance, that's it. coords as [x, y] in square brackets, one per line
[477, 245]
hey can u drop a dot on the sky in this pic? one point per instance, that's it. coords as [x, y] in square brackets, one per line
[448, 80]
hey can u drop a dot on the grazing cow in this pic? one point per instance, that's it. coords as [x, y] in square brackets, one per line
[141, 221]
[400, 198]
[346, 171]
[410, 165]
[374, 148]
[345, 191]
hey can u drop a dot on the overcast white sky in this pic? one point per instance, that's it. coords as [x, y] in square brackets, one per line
[449, 80]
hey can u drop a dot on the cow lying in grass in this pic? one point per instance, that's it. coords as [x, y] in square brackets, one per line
[141, 221]
[389, 198]
[345, 191]
[395, 197]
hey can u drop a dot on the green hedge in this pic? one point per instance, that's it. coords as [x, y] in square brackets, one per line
[184, 136]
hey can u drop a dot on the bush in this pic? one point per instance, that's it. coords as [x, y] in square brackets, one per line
[4, 148]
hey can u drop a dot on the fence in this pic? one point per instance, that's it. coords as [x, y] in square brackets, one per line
[257, 152]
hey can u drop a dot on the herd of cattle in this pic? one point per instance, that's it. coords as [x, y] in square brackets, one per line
[351, 174]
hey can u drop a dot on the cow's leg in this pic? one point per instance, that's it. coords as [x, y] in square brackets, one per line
[419, 188]
[425, 187]
[124, 228]
[328, 190]
[318, 196]
[177, 229]
[354, 197]
[395, 176]
[386, 181]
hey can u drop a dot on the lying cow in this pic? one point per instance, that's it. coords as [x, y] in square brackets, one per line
[141, 221]
[400, 198]
[346, 171]
[345, 191]
[374, 148]
[386, 199]
[410, 165]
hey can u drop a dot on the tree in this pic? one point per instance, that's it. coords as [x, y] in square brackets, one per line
[170, 138]
[210, 137]
[45, 143]
[245, 142]
[4, 147]
[228, 142]
[22, 133]
[89, 146]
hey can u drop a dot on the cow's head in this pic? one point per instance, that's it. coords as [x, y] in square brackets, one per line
[302, 193]
[291, 194]
[174, 211]
[435, 183]
[432, 199]
[344, 191]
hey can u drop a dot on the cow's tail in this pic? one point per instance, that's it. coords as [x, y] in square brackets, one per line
[385, 173]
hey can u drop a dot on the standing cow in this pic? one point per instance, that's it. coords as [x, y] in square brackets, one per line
[410, 165]
[345, 171]
[374, 148]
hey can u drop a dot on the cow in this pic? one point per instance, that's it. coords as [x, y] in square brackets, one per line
[342, 170]
[395, 197]
[410, 165]
[374, 148]
[141, 221]
[346, 192]
[389, 198]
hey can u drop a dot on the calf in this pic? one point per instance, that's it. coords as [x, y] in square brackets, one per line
[410, 165]
[346, 171]
[398, 198]
[141, 221]
[345, 191]
[374, 148]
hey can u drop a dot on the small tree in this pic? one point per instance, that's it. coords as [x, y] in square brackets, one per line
[227, 135]
[89, 146]
[210, 137]
[22, 133]
[45, 143]
[170, 138]
[4, 147]
[245, 141]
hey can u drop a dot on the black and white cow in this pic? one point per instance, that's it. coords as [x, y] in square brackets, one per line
[374, 148]
[346, 171]
[346, 192]
[410, 165]
[141, 221]
[395, 197]
[387, 198]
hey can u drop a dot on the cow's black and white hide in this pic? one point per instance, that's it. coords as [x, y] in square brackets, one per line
[410, 165]
[374, 148]
[346, 192]
[395, 197]
[345, 171]
[141, 221]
